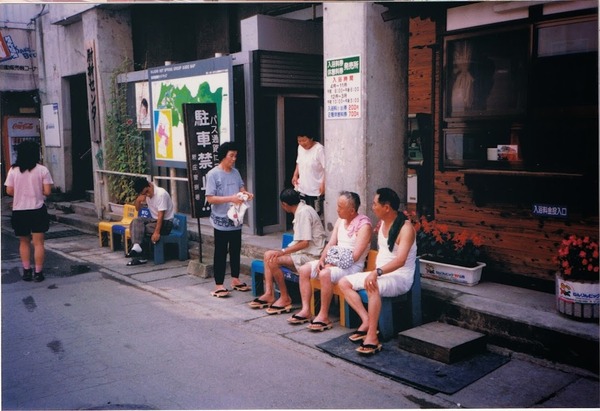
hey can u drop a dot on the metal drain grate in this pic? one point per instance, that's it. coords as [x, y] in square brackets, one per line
[62, 234]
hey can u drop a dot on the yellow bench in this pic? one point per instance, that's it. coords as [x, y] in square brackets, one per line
[105, 227]
[316, 285]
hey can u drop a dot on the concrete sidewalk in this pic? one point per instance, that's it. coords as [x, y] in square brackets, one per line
[516, 318]
[556, 385]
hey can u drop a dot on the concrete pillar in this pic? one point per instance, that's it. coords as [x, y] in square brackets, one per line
[367, 153]
[110, 32]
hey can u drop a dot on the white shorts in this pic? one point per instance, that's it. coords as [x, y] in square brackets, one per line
[390, 285]
[336, 272]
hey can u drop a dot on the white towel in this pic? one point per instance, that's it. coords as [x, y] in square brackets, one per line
[236, 212]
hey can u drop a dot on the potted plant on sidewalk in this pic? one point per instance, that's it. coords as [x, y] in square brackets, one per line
[446, 255]
[577, 278]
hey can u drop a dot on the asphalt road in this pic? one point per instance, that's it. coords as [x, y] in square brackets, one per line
[97, 334]
[81, 340]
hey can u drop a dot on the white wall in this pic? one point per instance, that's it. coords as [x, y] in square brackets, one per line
[278, 34]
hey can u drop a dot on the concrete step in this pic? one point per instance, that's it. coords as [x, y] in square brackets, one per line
[84, 208]
[83, 222]
[442, 342]
[516, 318]
[79, 207]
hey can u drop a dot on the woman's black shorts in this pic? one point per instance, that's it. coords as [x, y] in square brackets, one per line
[25, 222]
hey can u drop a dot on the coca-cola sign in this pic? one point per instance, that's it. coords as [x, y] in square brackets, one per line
[23, 126]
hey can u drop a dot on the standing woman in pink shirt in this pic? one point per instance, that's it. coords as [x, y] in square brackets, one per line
[28, 183]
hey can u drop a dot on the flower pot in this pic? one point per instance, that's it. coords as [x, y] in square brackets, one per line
[577, 299]
[451, 273]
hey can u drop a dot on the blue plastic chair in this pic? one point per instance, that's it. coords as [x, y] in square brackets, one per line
[178, 235]
[257, 269]
[410, 308]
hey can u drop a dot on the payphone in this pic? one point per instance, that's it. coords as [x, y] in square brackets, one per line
[419, 148]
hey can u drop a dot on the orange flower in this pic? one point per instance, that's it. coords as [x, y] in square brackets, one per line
[437, 241]
[578, 257]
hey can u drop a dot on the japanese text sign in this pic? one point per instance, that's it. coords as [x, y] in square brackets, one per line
[343, 88]
[202, 143]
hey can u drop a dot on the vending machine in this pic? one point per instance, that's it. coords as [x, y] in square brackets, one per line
[15, 130]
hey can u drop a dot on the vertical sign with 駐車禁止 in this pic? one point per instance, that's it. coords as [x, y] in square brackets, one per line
[92, 89]
[342, 88]
[202, 143]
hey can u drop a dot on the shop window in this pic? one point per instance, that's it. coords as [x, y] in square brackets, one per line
[534, 109]
[486, 75]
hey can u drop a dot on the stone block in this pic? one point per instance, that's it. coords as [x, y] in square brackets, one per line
[198, 269]
[442, 342]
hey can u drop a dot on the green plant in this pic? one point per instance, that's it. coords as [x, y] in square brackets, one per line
[577, 258]
[437, 243]
[124, 144]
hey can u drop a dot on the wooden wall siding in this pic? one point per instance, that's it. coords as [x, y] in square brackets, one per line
[516, 241]
[422, 35]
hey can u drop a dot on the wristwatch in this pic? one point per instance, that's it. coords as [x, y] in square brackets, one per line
[379, 272]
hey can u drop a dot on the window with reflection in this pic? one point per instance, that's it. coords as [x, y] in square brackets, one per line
[523, 99]
[487, 74]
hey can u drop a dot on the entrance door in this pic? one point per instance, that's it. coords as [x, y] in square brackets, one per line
[282, 118]
[81, 146]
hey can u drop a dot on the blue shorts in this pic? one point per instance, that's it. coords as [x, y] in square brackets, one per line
[25, 222]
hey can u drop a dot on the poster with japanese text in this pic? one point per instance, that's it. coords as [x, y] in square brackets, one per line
[342, 88]
[202, 81]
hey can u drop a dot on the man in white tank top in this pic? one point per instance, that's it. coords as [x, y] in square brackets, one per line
[394, 273]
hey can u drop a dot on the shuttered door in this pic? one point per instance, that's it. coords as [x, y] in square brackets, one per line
[287, 70]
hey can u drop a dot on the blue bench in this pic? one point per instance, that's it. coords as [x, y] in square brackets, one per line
[257, 270]
[410, 306]
[178, 235]
[410, 303]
